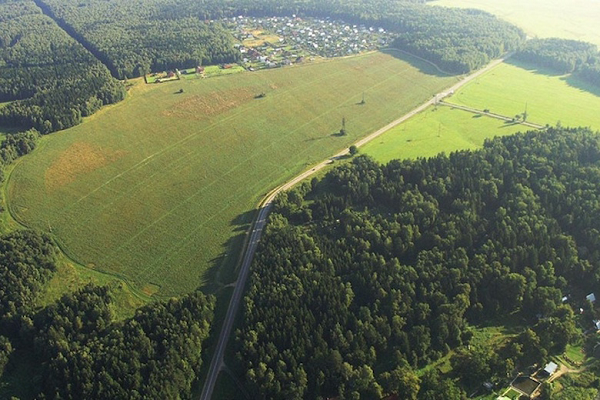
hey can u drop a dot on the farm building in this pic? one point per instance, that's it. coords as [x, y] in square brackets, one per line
[591, 297]
[550, 368]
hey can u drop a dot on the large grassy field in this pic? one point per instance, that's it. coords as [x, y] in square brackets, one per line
[509, 88]
[160, 188]
[436, 130]
[570, 19]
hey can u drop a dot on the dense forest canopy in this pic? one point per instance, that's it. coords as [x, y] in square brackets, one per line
[154, 355]
[379, 269]
[561, 55]
[50, 78]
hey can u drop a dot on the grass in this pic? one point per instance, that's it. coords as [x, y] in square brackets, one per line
[260, 38]
[570, 19]
[70, 277]
[575, 353]
[512, 394]
[511, 88]
[435, 130]
[159, 189]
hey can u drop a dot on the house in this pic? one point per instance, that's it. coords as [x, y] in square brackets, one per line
[591, 297]
[550, 369]
[200, 70]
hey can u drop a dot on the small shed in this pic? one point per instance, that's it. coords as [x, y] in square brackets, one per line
[596, 324]
[550, 368]
[591, 297]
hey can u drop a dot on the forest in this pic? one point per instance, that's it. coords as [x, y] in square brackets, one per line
[74, 348]
[564, 56]
[49, 78]
[135, 37]
[375, 271]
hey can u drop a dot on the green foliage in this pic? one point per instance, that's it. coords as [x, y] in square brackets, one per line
[564, 56]
[5, 352]
[52, 78]
[561, 55]
[458, 41]
[398, 257]
[156, 354]
[136, 37]
[26, 264]
[18, 144]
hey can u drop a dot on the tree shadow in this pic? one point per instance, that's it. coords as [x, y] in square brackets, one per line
[580, 84]
[423, 66]
[570, 79]
[533, 68]
[222, 269]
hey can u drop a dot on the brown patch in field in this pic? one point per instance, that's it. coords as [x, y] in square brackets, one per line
[273, 86]
[150, 289]
[201, 106]
[80, 158]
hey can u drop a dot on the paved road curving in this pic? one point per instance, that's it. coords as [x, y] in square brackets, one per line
[256, 230]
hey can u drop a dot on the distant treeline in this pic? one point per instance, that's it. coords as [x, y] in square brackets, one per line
[50, 79]
[377, 270]
[135, 37]
[564, 56]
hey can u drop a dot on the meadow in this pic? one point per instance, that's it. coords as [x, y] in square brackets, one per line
[160, 188]
[435, 130]
[570, 19]
[512, 87]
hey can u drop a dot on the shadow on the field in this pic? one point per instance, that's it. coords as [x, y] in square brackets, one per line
[223, 268]
[422, 66]
[530, 67]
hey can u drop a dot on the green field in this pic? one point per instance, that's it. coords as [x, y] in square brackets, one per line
[570, 19]
[436, 130]
[509, 88]
[160, 188]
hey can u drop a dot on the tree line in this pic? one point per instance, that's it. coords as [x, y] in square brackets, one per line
[564, 56]
[377, 270]
[50, 80]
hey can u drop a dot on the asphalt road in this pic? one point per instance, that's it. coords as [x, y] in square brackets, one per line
[256, 232]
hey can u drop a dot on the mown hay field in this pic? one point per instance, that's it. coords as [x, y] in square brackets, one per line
[511, 88]
[160, 188]
[508, 90]
[569, 19]
[436, 130]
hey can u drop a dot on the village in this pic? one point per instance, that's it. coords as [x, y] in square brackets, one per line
[280, 41]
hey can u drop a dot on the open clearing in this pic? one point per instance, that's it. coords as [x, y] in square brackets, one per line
[437, 130]
[159, 189]
[511, 87]
[570, 19]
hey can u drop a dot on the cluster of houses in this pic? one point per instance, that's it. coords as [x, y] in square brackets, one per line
[290, 40]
